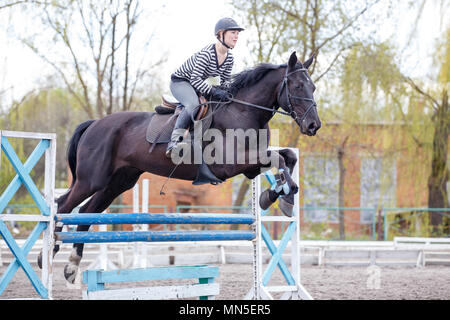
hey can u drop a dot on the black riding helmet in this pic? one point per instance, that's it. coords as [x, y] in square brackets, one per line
[226, 24]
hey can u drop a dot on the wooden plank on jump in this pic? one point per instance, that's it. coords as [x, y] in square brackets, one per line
[24, 217]
[205, 289]
[155, 293]
[28, 135]
[149, 274]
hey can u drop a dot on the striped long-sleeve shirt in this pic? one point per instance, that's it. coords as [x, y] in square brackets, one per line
[203, 65]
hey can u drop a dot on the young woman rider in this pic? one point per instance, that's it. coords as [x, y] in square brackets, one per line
[190, 78]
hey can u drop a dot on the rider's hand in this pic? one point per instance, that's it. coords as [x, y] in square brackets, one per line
[220, 94]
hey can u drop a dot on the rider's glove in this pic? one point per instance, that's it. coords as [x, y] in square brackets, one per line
[219, 94]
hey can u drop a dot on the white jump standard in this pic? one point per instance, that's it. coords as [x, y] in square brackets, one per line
[294, 289]
[45, 204]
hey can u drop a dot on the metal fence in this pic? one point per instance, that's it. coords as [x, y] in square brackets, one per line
[357, 223]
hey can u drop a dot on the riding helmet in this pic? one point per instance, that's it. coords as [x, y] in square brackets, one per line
[226, 24]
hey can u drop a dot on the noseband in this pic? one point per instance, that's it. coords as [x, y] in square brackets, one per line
[289, 108]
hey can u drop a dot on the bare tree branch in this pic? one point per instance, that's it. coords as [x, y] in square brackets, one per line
[96, 63]
[403, 115]
[435, 104]
[69, 85]
[332, 63]
[62, 33]
[291, 14]
[346, 26]
[44, 3]
[130, 19]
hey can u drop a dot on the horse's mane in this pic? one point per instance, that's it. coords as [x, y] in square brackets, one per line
[251, 76]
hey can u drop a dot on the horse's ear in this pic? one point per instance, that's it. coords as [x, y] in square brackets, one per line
[292, 61]
[308, 62]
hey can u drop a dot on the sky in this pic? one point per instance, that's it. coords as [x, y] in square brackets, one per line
[181, 28]
[186, 29]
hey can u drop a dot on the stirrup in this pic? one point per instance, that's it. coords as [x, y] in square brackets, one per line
[170, 147]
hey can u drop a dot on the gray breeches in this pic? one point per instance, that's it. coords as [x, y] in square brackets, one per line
[185, 93]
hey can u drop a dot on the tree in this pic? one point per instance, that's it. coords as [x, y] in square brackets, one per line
[436, 97]
[10, 4]
[103, 79]
[370, 81]
[428, 99]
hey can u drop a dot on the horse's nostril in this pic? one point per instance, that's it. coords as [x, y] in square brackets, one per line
[312, 126]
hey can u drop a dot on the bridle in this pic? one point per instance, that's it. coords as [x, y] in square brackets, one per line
[289, 107]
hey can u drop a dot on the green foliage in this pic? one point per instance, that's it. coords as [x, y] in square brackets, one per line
[369, 80]
[48, 111]
[443, 59]
[416, 224]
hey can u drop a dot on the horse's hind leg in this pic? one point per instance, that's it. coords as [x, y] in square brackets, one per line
[66, 203]
[121, 181]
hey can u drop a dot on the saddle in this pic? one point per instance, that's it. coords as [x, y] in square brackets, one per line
[161, 125]
[169, 106]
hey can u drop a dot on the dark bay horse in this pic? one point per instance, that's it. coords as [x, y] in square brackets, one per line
[107, 156]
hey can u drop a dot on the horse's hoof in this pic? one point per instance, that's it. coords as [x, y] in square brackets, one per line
[39, 260]
[70, 272]
[286, 207]
[266, 198]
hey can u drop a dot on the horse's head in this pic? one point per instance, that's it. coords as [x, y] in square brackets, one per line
[295, 95]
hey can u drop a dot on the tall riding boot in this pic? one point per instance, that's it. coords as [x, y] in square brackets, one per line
[183, 122]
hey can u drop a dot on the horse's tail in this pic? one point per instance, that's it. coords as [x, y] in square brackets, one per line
[73, 146]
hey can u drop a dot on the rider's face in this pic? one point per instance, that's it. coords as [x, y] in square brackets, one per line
[231, 37]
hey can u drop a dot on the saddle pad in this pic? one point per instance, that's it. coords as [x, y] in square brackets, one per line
[160, 127]
[158, 130]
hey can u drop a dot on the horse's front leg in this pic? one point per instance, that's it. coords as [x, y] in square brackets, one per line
[284, 160]
[286, 203]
